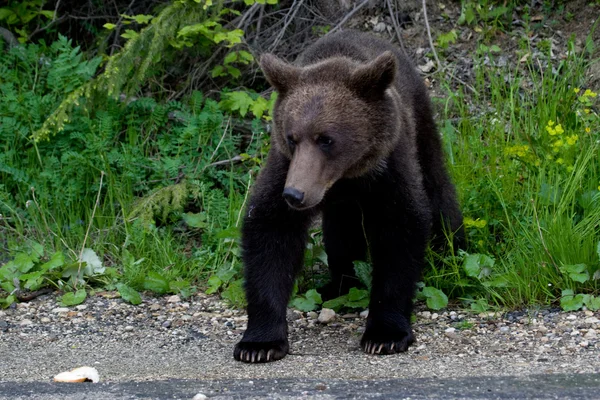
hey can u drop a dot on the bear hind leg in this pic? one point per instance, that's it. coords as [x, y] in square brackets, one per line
[345, 242]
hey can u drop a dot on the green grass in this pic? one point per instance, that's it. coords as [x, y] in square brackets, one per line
[530, 195]
[166, 217]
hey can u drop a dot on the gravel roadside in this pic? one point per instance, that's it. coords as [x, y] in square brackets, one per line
[168, 337]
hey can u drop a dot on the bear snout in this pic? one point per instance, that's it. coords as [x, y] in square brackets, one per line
[294, 197]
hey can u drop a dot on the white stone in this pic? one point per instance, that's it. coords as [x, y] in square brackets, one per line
[572, 317]
[25, 322]
[450, 330]
[200, 396]
[173, 299]
[364, 314]
[60, 310]
[326, 315]
[435, 316]
[591, 334]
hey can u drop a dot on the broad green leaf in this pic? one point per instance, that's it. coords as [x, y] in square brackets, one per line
[93, 265]
[577, 272]
[74, 298]
[197, 220]
[314, 296]
[362, 303]
[23, 262]
[357, 294]
[363, 272]
[214, 283]
[129, 34]
[179, 285]
[569, 302]
[109, 26]
[478, 265]
[233, 71]
[7, 301]
[57, 260]
[129, 294]
[37, 251]
[259, 107]
[337, 303]
[33, 280]
[593, 303]
[436, 299]
[156, 283]
[217, 71]
[235, 293]
[304, 304]
[230, 57]
[236, 101]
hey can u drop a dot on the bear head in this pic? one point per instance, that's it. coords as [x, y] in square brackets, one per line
[334, 119]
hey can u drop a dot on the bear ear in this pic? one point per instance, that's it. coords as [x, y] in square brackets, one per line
[281, 75]
[372, 79]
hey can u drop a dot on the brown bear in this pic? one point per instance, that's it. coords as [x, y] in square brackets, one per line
[354, 139]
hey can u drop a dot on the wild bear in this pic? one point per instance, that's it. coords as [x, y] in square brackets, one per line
[353, 138]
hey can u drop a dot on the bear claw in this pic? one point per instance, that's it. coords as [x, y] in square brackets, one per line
[260, 352]
[373, 343]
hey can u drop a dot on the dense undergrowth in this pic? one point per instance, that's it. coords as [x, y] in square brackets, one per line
[146, 193]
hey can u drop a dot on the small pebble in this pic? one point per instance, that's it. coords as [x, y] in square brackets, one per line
[173, 299]
[326, 316]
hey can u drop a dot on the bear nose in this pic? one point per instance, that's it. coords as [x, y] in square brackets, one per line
[293, 196]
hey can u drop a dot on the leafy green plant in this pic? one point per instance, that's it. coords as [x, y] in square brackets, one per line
[310, 301]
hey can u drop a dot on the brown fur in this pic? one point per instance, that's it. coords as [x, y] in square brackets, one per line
[353, 137]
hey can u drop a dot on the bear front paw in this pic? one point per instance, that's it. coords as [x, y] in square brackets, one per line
[260, 352]
[375, 341]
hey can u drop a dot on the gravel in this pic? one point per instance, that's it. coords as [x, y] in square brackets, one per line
[193, 339]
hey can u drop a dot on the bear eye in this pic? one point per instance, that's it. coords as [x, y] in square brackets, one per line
[324, 141]
[291, 142]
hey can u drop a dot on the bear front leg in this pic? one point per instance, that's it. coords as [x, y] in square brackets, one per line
[398, 241]
[273, 242]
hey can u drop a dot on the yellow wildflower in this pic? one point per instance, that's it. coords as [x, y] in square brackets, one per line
[559, 129]
[587, 129]
[570, 168]
[589, 93]
[560, 161]
[550, 123]
[558, 143]
[474, 223]
[576, 90]
[571, 140]
[586, 110]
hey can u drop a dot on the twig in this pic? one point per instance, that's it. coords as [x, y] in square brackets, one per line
[348, 16]
[87, 232]
[289, 17]
[223, 162]
[259, 22]
[439, 64]
[248, 14]
[216, 148]
[396, 25]
[53, 22]
[118, 24]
